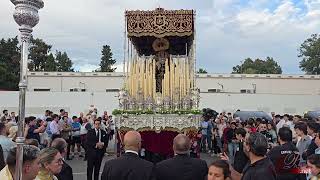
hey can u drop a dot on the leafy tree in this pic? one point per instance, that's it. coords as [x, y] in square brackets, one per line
[106, 60]
[64, 63]
[50, 63]
[9, 63]
[39, 52]
[310, 53]
[258, 66]
[202, 71]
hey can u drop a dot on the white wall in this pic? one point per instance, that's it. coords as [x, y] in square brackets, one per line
[76, 102]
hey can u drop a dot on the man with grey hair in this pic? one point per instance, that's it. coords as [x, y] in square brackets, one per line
[181, 166]
[30, 166]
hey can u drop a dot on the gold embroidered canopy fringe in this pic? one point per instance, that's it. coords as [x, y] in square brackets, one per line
[160, 23]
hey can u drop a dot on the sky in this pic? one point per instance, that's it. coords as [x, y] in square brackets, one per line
[227, 31]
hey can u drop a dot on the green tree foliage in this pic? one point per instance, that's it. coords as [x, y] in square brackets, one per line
[50, 64]
[9, 63]
[64, 63]
[39, 53]
[258, 66]
[310, 53]
[107, 62]
[202, 71]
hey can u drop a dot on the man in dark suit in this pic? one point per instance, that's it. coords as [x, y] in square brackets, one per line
[181, 166]
[129, 166]
[96, 147]
[66, 172]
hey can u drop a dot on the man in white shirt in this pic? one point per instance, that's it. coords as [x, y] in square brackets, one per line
[285, 123]
[55, 127]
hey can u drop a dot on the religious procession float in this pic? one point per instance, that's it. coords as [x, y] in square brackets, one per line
[159, 98]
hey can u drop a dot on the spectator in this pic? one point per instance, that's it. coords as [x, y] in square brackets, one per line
[13, 133]
[263, 130]
[279, 155]
[55, 127]
[34, 130]
[303, 140]
[85, 127]
[313, 129]
[129, 166]
[30, 166]
[240, 158]
[51, 163]
[182, 166]
[5, 116]
[285, 122]
[260, 167]
[76, 140]
[204, 134]
[272, 130]
[66, 134]
[230, 139]
[219, 170]
[66, 171]
[5, 142]
[96, 147]
[314, 165]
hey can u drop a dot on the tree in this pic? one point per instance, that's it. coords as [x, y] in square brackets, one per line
[202, 71]
[106, 60]
[9, 63]
[310, 53]
[258, 66]
[63, 62]
[50, 63]
[39, 52]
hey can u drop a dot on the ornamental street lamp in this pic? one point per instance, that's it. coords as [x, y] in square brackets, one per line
[26, 16]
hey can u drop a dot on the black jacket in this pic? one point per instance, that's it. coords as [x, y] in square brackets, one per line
[92, 139]
[65, 173]
[181, 167]
[127, 167]
[285, 159]
[240, 159]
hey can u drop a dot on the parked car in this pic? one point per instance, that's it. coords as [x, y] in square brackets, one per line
[312, 115]
[245, 115]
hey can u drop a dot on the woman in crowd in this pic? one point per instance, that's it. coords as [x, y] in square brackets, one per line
[219, 170]
[314, 165]
[272, 130]
[51, 163]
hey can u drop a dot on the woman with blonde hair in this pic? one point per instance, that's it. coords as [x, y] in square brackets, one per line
[51, 163]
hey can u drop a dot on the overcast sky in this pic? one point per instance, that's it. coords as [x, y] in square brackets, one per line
[228, 31]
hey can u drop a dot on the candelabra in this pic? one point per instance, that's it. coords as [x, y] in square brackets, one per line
[26, 16]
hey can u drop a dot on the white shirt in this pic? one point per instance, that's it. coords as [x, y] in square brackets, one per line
[54, 128]
[99, 134]
[282, 123]
[134, 152]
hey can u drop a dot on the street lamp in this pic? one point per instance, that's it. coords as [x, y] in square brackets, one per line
[26, 16]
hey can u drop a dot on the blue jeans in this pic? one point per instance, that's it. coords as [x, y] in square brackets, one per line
[232, 147]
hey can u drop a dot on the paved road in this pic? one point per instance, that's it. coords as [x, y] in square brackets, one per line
[79, 166]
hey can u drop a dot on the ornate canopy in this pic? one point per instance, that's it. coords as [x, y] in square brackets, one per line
[176, 26]
[160, 23]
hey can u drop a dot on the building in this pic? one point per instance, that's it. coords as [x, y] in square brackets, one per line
[77, 91]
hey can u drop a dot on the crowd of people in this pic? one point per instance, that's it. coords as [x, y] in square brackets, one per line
[284, 148]
[290, 143]
[57, 137]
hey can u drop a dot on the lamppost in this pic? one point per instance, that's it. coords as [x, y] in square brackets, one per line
[26, 16]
